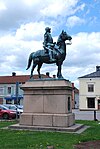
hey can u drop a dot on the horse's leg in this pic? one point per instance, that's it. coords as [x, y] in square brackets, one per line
[59, 74]
[33, 67]
[38, 69]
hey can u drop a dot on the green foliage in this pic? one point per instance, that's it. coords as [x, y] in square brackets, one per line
[21, 139]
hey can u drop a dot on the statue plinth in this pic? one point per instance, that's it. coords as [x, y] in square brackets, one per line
[47, 103]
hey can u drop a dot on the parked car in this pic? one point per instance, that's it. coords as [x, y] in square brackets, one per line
[5, 113]
[15, 108]
[20, 107]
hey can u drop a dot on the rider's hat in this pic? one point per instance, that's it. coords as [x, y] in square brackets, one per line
[47, 29]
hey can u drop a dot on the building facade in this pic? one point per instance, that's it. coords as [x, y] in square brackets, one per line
[10, 92]
[89, 91]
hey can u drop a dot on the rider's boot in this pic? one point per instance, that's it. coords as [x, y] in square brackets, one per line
[51, 58]
[46, 50]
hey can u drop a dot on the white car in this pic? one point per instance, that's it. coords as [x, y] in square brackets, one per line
[16, 108]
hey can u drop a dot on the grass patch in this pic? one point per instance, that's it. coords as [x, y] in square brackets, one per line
[19, 139]
[5, 123]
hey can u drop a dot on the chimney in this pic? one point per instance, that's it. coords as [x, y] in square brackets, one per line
[47, 73]
[54, 76]
[13, 74]
[97, 68]
[73, 85]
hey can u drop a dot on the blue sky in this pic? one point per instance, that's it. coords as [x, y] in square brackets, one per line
[22, 25]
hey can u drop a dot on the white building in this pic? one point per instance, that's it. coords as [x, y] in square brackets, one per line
[89, 91]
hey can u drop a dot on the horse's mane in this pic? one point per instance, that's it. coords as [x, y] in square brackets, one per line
[59, 39]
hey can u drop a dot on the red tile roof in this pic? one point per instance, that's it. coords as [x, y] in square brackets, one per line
[18, 78]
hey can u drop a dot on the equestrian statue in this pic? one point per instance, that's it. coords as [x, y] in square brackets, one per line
[52, 52]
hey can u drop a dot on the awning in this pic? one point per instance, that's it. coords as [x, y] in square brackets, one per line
[13, 97]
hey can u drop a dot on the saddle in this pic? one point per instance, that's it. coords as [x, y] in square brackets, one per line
[54, 49]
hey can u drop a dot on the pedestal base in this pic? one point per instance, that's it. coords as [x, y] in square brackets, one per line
[77, 128]
[50, 120]
[47, 103]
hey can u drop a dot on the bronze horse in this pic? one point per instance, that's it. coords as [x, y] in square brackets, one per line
[39, 57]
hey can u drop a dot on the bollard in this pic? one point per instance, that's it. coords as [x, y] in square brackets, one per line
[95, 116]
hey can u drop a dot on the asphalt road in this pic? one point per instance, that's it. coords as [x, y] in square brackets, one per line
[86, 115]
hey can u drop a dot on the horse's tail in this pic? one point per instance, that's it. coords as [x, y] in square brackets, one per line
[29, 61]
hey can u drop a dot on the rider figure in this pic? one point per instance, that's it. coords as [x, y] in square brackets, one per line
[48, 43]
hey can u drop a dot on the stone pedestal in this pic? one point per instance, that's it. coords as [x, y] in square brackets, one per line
[47, 103]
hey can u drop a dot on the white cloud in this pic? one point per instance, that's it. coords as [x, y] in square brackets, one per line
[73, 21]
[61, 7]
[82, 56]
[31, 2]
[22, 26]
[83, 53]
[31, 31]
[2, 6]
[25, 11]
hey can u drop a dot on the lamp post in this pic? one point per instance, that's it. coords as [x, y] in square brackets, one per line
[17, 87]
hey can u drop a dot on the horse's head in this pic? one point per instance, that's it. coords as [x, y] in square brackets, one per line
[65, 36]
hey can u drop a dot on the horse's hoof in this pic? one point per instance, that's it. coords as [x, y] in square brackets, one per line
[31, 76]
[60, 77]
[40, 77]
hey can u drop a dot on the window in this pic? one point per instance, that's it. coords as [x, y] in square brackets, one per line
[1, 90]
[91, 102]
[90, 87]
[9, 90]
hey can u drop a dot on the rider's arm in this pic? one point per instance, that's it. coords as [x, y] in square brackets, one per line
[45, 40]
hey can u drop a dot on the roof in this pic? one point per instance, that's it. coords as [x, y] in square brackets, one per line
[95, 74]
[18, 78]
[76, 90]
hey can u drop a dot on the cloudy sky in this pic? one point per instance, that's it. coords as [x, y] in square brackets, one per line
[22, 26]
